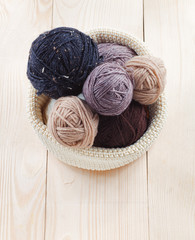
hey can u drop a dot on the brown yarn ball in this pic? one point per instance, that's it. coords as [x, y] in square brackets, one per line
[122, 130]
[72, 122]
[149, 78]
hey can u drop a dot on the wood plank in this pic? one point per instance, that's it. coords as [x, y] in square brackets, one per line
[170, 31]
[84, 15]
[83, 204]
[22, 156]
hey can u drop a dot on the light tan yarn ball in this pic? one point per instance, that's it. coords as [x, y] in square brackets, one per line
[149, 78]
[72, 123]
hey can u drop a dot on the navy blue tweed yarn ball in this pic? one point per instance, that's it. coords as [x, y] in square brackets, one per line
[60, 60]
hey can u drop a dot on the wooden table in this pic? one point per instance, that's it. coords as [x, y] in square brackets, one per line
[151, 199]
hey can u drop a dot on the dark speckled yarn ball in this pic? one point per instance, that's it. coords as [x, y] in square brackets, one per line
[60, 60]
[122, 130]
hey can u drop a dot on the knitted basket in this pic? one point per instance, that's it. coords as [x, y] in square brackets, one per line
[100, 158]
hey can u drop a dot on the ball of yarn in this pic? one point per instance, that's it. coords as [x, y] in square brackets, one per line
[149, 78]
[60, 61]
[108, 89]
[72, 123]
[47, 108]
[122, 130]
[114, 52]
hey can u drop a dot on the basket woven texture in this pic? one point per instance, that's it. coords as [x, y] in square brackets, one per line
[100, 158]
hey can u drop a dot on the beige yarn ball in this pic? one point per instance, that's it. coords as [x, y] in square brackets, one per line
[47, 108]
[149, 78]
[72, 122]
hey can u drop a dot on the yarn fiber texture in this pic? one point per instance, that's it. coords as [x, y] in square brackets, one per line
[122, 130]
[114, 52]
[149, 78]
[72, 123]
[60, 60]
[108, 89]
[47, 109]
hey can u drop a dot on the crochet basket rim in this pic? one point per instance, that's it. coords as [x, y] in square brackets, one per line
[100, 158]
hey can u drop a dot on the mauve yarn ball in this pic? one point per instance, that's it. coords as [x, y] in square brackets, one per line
[115, 52]
[60, 60]
[72, 123]
[122, 130]
[108, 89]
[149, 78]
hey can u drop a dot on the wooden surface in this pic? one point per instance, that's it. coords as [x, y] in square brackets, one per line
[152, 198]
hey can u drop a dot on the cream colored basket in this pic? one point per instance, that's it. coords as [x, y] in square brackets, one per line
[100, 158]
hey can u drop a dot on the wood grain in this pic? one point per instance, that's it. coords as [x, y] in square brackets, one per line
[97, 205]
[22, 157]
[170, 31]
[84, 15]
[84, 204]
